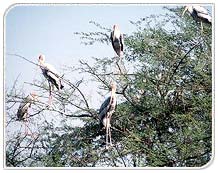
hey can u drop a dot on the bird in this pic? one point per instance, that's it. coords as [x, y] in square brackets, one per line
[105, 112]
[51, 74]
[117, 40]
[198, 13]
[22, 113]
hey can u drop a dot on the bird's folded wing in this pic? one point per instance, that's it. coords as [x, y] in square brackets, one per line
[200, 9]
[51, 69]
[121, 41]
[105, 105]
[205, 16]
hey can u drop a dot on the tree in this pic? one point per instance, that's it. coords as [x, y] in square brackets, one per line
[164, 113]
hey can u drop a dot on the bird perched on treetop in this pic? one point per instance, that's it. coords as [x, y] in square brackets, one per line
[198, 13]
[106, 110]
[51, 74]
[117, 40]
[22, 112]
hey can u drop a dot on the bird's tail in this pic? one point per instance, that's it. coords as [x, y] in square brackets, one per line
[57, 86]
[61, 85]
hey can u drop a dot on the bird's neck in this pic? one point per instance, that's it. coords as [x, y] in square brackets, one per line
[190, 9]
[113, 93]
[41, 63]
[117, 33]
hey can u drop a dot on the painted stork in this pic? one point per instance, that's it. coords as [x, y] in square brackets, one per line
[117, 40]
[51, 75]
[22, 113]
[105, 112]
[198, 13]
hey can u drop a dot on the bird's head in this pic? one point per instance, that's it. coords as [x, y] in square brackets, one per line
[187, 7]
[34, 95]
[115, 27]
[113, 86]
[41, 59]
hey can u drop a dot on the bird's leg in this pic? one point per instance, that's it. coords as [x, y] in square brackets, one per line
[120, 70]
[33, 135]
[25, 124]
[202, 30]
[110, 133]
[121, 54]
[52, 87]
[119, 64]
[117, 59]
[26, 129]
[50, 95]
[59, 87]
[106, 133]
[123, 67]
[50, 100]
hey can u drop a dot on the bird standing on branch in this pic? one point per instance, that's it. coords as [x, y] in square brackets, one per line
[117, 40]
[22, 113]
[198, 13]
[51, 75]
[106, 111]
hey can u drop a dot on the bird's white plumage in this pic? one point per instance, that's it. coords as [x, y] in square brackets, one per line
[198, 13]
[116, 34]
[50, 68]
[117, 40]
[50, 73]
[200, 9]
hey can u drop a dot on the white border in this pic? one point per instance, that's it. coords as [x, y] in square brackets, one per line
[9, 4]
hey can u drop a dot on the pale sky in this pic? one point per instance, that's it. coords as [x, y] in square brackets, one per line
[49, 29]
[32, 30]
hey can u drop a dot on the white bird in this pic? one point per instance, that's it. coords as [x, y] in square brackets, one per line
[198, 13]
[51, 74]
[117, 40]
[105, 112]
[22, 113]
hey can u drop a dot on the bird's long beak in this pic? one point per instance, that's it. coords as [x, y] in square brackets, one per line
[186, 8]
[36, 99]
[39, 64]
[113, 91]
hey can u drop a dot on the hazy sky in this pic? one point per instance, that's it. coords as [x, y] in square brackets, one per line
[49, 29]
